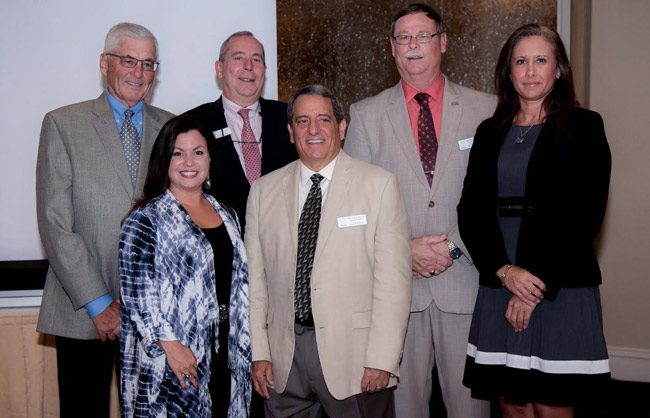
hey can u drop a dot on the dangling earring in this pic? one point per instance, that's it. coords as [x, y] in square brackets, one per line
[207, 183]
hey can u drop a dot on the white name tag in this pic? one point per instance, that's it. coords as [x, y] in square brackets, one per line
[222, 132]
[354, 220]
[466, 143]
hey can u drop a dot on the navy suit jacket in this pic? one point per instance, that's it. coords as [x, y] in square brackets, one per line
[229, 183]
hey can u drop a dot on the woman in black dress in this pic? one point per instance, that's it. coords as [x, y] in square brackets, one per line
[533, 202]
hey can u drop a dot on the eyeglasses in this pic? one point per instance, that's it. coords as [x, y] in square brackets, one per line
[130, 62]
[421, 38]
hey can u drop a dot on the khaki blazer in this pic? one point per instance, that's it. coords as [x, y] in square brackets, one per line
[380, 133]
[361, 278]
[83, 191]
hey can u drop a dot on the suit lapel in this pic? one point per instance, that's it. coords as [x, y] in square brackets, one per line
[224, 142]
[267, 138]
[104, 124]
[398, 116]
[452, 110]
[290, 184]
[152, 126]
[336, 198]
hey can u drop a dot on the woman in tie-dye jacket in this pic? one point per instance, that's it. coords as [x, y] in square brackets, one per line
[184, 288]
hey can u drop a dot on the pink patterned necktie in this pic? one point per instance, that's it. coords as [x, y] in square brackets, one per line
[250, 149]
[427, 137]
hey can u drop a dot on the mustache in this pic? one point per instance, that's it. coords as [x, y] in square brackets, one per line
[413, 53]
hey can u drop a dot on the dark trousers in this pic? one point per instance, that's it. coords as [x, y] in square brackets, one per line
[85, 369]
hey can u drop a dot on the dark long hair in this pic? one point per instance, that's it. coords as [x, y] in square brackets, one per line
[161, 155]
[559, 100]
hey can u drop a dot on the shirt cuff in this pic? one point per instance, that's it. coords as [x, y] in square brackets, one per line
[97, 306]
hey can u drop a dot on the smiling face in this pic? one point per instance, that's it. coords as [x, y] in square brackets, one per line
[129, 85]
[190, 163]
[242, 70]
[418, 64]
[533, 69]
[315, 132]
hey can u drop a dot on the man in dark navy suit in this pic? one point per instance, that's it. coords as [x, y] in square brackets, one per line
[251, 132]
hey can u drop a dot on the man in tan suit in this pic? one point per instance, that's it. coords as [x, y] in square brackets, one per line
[92, 163]
[327, 330]
[422, 130]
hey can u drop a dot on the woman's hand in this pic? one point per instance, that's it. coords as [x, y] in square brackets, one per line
[182, 362]
[520, 282]
[519, 312]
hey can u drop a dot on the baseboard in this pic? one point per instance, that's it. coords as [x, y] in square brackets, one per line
[629, 364]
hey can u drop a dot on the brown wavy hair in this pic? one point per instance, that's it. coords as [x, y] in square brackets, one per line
[559, 100]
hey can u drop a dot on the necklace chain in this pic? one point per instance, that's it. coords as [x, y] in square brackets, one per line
[522, 135]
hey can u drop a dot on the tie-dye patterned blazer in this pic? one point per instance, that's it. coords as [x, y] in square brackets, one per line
[168, 293]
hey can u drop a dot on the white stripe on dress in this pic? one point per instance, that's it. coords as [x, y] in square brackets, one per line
[531, 362]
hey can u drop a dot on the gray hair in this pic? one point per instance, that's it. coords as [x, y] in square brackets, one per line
[316, 90]
[226, 44]
[127, 30]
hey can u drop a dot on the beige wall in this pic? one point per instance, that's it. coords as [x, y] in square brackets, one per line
[620, 91]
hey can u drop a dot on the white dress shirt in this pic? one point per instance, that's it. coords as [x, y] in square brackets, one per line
[305, 183]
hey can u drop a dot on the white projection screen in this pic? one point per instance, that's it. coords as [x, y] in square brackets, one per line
[49, 57]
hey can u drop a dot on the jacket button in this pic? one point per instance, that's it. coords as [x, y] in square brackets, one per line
[431, 204]
[290, 290]
[290, 328]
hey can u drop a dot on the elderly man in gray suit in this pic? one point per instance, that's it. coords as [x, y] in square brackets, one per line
[422, 130]
[92, 163]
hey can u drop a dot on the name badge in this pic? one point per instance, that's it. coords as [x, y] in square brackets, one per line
[222, 132]
[466, 143]
[354, 220]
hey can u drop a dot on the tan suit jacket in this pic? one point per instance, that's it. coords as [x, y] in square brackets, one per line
[83, 191]
[380, 133]
[361, 278]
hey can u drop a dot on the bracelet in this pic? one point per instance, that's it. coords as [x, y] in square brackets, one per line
[505, 271]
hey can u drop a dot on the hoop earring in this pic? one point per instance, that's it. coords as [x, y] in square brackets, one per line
[207, 183]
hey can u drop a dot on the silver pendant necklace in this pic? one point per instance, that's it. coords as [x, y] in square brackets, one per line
[522, 135]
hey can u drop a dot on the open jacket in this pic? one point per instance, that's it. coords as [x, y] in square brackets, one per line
[168, 293]
[564, 202]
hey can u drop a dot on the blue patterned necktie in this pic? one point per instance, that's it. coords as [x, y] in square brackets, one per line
[307, 237]
[131, 145]
[427, 137]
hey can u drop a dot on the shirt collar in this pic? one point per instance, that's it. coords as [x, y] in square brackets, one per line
[435, 89]
[233, 107]
[118, 107]
[327, 171]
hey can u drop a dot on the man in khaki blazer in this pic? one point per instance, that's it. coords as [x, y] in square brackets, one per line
[384, 131]
[83, 191]
[360, 280]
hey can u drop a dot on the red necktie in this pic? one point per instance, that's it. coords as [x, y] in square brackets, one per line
[427, 137]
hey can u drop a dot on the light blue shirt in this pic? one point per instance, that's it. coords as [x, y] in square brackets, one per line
[118, 109]
[97, 306]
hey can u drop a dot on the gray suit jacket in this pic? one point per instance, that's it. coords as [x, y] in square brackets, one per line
[380, 133]
[83, 191]
[360, 282]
